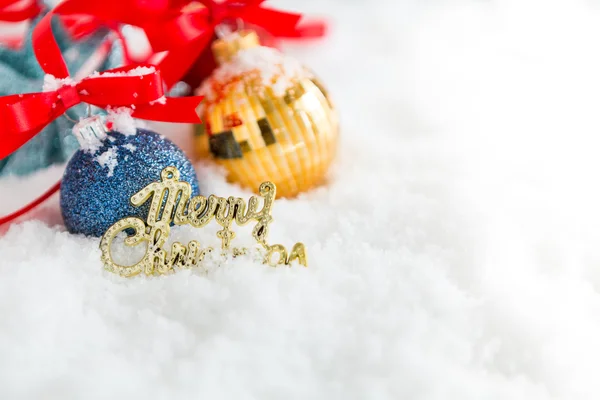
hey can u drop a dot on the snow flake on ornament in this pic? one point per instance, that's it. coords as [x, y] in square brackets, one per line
[257, 68]
[120, 119]
[109, 160]
[129, 147]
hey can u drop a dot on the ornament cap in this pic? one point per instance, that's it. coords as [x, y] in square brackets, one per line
[90, 133]
[228, 45]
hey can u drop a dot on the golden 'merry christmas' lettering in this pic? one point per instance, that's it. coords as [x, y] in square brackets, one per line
[170, 202]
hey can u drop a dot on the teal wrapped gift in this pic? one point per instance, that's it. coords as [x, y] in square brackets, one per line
[20, 73]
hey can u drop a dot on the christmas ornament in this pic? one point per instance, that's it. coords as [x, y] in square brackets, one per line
[139, 87]
[109, 168]
[21, 73]
[206, 63]
[267, 117]
[171, 202]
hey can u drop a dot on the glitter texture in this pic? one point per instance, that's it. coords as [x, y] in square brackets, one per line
[91, 200]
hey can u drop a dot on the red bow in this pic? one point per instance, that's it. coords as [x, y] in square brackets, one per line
[185, 28]
[192, 31]
[23, 116]
[138, 87]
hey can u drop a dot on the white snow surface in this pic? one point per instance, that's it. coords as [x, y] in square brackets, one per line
[452, 255]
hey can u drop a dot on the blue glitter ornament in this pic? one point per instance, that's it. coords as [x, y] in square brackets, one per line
[101, 177]
[21, 73]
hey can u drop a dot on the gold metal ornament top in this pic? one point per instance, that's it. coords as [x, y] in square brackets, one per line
[171, 202]
[225, 48]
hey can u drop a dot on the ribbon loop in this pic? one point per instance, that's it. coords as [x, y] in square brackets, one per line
[18, 10]
[182, 29]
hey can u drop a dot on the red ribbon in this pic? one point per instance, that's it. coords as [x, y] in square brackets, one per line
[79, 27]
[18, 10]
[23, 116]
[185, 29]
[193, 31]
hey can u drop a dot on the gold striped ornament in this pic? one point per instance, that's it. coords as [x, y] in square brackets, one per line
[266, 117]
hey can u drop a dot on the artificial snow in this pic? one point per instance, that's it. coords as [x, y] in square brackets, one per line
[52, 84]
[108, 159]
[453, 253]
[138, 71]
[120, 119]
[160, 100]
[269, 66]
[129, 147]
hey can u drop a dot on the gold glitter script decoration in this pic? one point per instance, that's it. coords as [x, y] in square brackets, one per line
[266, 117]
[170, 202]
